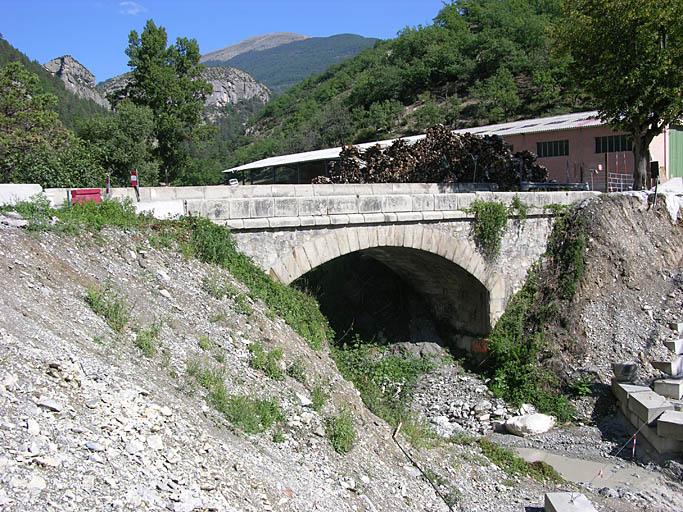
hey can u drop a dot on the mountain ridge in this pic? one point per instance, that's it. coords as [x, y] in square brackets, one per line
[256, 43]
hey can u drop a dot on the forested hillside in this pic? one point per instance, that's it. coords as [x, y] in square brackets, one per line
[481, 61]
[70, 107]
[288, 64]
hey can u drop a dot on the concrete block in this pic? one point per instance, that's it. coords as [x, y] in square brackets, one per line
[390, 217]
[303, 190]
[567, 502]
[622, 390]
[339, 220]
[397, 203]
[11, 193]
[302, 260]
[676, 346]
[380, 189]
[163, 193]
[283, 190]
[218, 192]
[339, 205]
[196, 207]
[354, 244]
[216, 209]
[342, 241]
[660, 444]
[428, 215]
[373, 237]
[670, 425]
[261, 207]
[399, 235]
[179, 192]
[382, 232]
[356, 218]
[256, 223]
[446, 202]
[647, 405]
[307, 220]
[286, 207]
[676, 327]
[370, 204]
[284, 222]
[670, 388]
[423, 202]
[312, 206]
[408, 216]
[161, 209]
[373, 218]
[239, 209]
[323, 220]
[234, 224]
[673, 368]
[465, 201]
[363, 240]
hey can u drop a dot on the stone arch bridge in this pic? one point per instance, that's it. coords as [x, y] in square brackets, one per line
[423, 232]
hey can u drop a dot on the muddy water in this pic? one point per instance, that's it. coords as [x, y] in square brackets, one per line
[619, 475]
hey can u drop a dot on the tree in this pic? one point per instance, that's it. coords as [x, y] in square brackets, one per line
[628, 55]
[167, 80]
[34, 146]
[125, 140]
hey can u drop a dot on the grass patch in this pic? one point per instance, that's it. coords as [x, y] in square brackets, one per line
[266, 361]
[242, 305]
[146, 339]
[252, 415]
[108, 304]
[340, 431]
[218, 287]
[513, 465]
[205, 342]
[385, 382]
[319, 396]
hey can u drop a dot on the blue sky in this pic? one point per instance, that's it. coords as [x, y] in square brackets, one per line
[95, 32]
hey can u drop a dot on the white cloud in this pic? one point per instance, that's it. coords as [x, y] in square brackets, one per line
[131, 8]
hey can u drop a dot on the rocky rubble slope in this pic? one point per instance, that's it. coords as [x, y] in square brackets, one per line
[88, 422]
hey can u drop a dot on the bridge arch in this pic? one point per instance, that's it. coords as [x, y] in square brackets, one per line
[448, 271]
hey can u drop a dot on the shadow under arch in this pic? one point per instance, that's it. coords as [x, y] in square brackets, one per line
[461, 288]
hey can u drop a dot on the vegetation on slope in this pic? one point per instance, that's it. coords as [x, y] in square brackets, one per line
[480, 61]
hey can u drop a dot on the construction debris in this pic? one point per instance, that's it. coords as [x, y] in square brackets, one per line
[441, 157]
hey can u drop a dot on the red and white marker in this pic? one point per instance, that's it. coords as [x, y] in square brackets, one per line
[134, 178]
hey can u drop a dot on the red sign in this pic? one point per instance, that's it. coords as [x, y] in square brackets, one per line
[134, 178]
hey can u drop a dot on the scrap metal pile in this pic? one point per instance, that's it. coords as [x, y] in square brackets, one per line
[441, 157]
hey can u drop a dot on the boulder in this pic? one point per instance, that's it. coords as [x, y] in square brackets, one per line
[529, 424]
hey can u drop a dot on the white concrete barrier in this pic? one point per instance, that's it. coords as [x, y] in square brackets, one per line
[13, 193]
[161, 209]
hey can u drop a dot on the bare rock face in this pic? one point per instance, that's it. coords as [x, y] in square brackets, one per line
[257, 43]
[232, 85]
[76, 78]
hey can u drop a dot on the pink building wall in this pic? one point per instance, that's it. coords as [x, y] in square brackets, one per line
[582, 163]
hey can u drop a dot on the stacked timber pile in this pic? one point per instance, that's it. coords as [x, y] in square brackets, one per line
[441, 157]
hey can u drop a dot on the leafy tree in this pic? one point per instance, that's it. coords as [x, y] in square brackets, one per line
[125, 139]
[628, 54]
[34, 146]
[167, 80]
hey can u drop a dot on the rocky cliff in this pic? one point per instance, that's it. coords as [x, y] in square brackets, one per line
[257, 43]
[76, 78]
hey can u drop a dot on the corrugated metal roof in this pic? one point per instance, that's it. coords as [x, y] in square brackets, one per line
[543, 124]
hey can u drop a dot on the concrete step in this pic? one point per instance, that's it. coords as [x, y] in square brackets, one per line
[622, 390]
[673, 368]
[567, 502]
[647, 405]
[670, 425]
[662, 445]
[670, 388]
[676, 346]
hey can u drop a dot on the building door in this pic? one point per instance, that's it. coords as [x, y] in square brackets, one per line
[676, 151]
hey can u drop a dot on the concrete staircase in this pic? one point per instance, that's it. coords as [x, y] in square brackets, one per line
[659, 412]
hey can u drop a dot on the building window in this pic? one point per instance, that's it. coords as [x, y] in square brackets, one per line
[552, 148]
[612, 144]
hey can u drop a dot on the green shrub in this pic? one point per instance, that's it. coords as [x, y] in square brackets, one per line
[252, 415]
[217, 287]
[205, 342]
[108, 304]
[319, 397]
[490, 221]
[242, 305]
[146, 339]
[266, 361]
[340, 431]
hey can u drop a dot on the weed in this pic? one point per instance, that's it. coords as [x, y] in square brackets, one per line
[581, 386]
[242, 305]
[266, 361]
[452, 495]
[146, 338]
[278, 436]
[385, 382]
[110, 305]
[490, 221]
[219, 357]
[319, 396]
[217, 287]
[252, 415]
[340, 431]
[518, 206]
[205, 342]
[297, 370]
